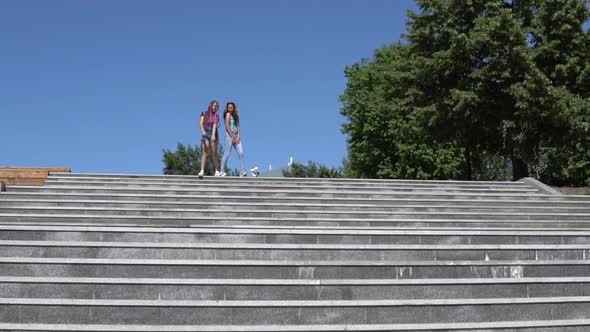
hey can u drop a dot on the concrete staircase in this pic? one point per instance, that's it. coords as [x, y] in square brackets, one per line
[96, 252]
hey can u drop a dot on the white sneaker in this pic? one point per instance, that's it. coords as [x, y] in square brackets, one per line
[243, 174]
[201, 173]
[224, 174]
[217, 173]
[254, 171]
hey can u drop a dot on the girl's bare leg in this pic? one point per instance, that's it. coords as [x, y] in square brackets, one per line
[215, 155]
[204, 148]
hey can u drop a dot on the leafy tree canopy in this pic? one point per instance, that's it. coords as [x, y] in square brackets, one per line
[482, 89]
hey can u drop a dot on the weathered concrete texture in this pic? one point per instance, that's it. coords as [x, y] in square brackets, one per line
[100, 252]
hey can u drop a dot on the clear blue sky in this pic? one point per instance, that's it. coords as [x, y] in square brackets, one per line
[104, 86]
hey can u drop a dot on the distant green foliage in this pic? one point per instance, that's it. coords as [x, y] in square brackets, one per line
[483, 89]
[187, 161]
[311, 170]
[184, 161]
[492, 167]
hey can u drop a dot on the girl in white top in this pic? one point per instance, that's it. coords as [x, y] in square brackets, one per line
[232, 137]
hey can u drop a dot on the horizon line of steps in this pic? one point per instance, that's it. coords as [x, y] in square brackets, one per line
[98, 252]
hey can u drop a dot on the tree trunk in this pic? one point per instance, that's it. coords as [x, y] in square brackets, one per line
[468, 167]
[519, 168]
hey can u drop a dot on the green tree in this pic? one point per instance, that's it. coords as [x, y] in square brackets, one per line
[485, 81]
[507, 76]
[385, 139]
[311, 170]
[187, 161]
[561, 50]
[476, 56]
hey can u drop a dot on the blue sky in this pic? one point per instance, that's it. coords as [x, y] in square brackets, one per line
[104, 86]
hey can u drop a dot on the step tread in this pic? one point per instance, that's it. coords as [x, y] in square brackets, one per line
[550, 198]
[226, 210]
[298, 328]
[291, 303]
[546, 205]
[317, 185]
[237, 228]
[138, 176]
[522, 192]
[291, 282]
[290, 246]
[293, 227]
[296, 230]
[301, 219]
[293, 263]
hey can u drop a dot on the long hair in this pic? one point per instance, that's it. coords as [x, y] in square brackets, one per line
[234, 114]
[210, 116]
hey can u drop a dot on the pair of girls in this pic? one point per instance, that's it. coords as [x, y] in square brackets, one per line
[210, 139]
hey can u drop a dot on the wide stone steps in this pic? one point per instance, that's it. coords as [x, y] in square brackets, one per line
[99, 252]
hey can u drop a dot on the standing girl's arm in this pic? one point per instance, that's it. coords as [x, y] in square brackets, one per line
[228, 126]
[201, 123]
[239, 133]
